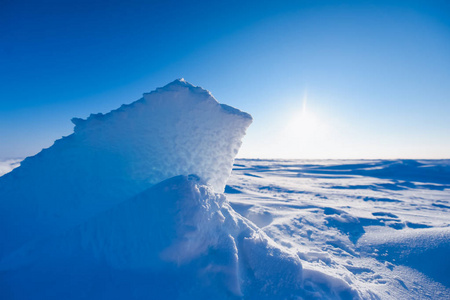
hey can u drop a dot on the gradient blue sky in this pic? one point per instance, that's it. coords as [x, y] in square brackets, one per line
[322, 79]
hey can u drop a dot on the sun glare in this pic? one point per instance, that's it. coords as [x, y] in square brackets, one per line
[304, 123]
[304, 133]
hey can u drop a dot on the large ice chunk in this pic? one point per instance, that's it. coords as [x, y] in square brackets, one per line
[179, 129]
[175, 240]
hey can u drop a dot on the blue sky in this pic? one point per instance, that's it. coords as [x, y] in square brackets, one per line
[322, 79]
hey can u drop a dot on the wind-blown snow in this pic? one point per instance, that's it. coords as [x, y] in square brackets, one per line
[382, 226]
[176, 130]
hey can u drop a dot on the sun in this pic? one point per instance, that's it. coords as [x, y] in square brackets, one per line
[304, 123]
[305, 133]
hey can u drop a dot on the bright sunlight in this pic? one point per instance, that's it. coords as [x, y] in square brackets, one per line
[305, 134]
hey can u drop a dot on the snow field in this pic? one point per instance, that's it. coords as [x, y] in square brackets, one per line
[381, 226]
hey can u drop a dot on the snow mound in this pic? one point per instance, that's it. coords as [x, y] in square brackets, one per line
[425, 250]
[176, 240]
[176, 130]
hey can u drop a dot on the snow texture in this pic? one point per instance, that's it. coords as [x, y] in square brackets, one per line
[382, 226]
[176, 240]
[176, 130]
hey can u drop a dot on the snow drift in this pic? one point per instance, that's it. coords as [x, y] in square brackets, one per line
[380, 225]
[176, 130]
[176, 240]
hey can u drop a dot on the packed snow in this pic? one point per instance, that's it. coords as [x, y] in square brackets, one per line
[383, 226]
[178, 239]
[131, 206]
[176, 130]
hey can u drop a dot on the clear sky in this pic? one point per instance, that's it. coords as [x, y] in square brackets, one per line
[322, 79]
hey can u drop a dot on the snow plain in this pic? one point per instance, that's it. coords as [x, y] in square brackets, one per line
[380, 225]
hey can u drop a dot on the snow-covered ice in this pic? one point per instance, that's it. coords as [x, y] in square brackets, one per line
[176, 240]
[176, 130]
[130, 206]
[381, 225]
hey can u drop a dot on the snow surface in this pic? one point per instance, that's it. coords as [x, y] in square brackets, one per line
[326, 230]
[177, 239]
[176, 130]
[383, 226]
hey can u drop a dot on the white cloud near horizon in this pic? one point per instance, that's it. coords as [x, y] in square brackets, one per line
[8, 165]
